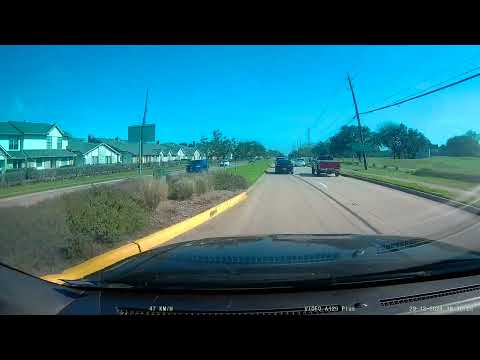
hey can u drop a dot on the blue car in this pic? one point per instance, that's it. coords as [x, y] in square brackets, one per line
[196, 166]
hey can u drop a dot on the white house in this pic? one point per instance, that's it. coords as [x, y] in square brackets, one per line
[93, 153]
[191, 153]
[38, 145]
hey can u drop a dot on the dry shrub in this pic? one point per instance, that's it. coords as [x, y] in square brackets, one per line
[152, 192]
[181, 188]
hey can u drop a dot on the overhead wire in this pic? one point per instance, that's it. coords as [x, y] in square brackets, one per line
[420, 95]
[469, 61]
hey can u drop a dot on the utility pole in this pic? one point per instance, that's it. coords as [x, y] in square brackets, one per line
[308, 137]
[141, 135]
[359, 125]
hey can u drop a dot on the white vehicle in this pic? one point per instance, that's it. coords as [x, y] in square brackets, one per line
[300, 162]
[224, 163]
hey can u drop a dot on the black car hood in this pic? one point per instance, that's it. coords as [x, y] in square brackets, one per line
[277, 259]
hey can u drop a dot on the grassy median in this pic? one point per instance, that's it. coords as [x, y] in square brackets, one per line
[450, 177]
[251, 172]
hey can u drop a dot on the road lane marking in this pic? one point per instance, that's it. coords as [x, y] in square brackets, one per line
[361, 219]
[325, 186]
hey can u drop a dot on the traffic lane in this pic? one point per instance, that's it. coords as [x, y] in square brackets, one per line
[396, 212]
[279, 204]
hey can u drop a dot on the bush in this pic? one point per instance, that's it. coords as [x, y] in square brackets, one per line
[181, 188]
[203, 184]
[152, 192]
[103, 213]
[227, 181]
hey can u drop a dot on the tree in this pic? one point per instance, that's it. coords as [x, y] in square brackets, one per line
[402, 141]
[463, 146]
[347, 141]
[321, 148]
[204, 147]
[473, 134]
[250, 149]
[217, 144]
[394, 137]
[273, 153]
[415, 142]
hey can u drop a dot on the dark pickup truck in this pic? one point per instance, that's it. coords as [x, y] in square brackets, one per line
[283, 166]
[325, 165]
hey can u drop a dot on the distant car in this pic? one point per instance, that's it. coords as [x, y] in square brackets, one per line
[224, 163]
[196, 166]
[283, 166]
[251, 161]
[300, 162]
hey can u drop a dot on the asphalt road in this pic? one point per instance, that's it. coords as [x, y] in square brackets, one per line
[303, 204]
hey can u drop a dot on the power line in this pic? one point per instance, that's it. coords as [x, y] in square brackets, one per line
[469, 62]
[440, 83]
[421, 95]
[344, 124]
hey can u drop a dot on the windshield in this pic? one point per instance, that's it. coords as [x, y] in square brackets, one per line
[110, 152]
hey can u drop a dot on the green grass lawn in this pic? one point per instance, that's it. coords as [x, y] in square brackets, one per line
[444, 176]
[449, 164]
[251, 172]
[58, 184]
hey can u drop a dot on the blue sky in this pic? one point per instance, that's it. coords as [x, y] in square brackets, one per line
[267, 93]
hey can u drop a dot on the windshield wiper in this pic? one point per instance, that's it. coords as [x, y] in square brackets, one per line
[95, 284]
[449, 267]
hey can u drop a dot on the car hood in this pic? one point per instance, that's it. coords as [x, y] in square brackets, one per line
[278, 259]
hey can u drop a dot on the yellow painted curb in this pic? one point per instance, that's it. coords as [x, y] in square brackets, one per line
[141, 245]
[151, 241]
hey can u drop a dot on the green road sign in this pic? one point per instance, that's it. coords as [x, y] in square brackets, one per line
[148, 133]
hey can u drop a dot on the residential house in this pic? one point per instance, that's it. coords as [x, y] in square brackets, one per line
[191, 153]
[184, 152]
[37, 145]
[152, 153]
[129, 151]
[175, 150]
[93, 153]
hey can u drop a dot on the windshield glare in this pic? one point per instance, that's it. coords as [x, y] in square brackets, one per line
[192, 146]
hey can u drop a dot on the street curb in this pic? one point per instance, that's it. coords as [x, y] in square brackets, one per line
[251, 187]
[143, 244]
[453, 203]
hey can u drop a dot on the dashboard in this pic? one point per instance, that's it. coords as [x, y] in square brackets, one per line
[459, 296]
[452, 296]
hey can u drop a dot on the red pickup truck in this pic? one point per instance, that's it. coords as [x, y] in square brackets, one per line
[325, 165]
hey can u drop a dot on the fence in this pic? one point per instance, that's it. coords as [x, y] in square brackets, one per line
[32, 175]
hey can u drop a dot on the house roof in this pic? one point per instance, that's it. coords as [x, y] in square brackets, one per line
[134, 147]
[46, 153]
[188, 151]
[32, 128]
[5, 152]
[78, 145]
[27, 128]
[8, 129]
